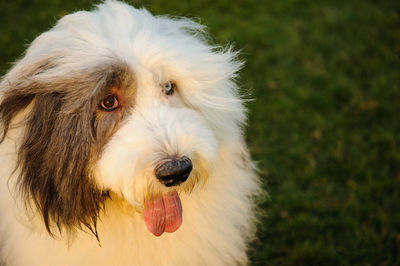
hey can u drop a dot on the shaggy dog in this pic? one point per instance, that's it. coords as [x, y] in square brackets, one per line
[122, 144]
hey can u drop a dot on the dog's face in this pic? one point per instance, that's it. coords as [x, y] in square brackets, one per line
[120, 101]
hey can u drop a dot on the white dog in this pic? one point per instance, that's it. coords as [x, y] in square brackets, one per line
[122, 144]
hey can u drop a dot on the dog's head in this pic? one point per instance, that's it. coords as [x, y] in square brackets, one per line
[118, 100]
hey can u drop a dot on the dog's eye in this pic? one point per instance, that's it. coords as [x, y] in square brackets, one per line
[169, 88]
[110, 103]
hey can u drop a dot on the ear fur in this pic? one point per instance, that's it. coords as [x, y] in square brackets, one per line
[61, 141]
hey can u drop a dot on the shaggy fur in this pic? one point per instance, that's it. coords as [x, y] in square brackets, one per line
[74, 176]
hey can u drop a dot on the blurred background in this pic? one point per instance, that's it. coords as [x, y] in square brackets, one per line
[324, 127]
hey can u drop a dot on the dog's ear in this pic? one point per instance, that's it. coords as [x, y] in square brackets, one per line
[55, 157]
[55, 160]
[17, 90]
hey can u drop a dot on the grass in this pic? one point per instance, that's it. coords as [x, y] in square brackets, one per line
[325, 125]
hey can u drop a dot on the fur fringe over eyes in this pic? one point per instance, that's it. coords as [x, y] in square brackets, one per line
[56, 130]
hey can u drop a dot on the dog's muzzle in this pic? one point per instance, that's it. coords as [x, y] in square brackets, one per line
[174, 171]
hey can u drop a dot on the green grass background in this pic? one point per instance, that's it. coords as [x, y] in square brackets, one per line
[324, 126]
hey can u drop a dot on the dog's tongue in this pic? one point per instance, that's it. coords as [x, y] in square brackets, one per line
[163, 214]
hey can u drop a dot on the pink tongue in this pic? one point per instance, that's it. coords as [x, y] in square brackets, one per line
[163, 214]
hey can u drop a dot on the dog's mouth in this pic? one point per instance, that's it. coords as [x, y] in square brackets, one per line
[163, 214]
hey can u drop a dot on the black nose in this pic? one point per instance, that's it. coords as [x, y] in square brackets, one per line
[174, 171]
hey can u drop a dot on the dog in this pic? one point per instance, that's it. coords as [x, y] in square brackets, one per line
[122, 144]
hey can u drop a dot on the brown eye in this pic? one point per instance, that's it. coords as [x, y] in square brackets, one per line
[110, 103]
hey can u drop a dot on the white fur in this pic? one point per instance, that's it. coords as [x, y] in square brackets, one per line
[203, 122]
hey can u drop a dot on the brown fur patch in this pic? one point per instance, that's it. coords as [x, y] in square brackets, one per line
[65, 133]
